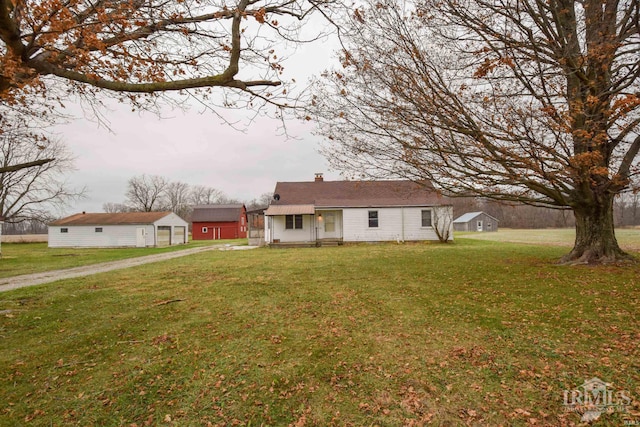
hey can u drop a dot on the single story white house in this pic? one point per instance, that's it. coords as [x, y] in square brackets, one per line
[111, 230]
[475, 221]
[320, 212]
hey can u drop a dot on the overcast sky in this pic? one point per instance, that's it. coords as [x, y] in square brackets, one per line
[195, 147]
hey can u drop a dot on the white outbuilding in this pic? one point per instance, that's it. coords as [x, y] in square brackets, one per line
[114, 230]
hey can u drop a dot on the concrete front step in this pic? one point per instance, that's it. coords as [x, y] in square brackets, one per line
[317, 243]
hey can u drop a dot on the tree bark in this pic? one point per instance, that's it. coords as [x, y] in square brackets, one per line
[595, 236]
[20, 166]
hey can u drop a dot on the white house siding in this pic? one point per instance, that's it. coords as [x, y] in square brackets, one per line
[441, 217]
[171, 220]
[404, 223]
[111, 235]
[277, 232]
[86, 236]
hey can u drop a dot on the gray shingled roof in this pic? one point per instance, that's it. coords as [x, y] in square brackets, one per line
[357, 194]
[217, 213]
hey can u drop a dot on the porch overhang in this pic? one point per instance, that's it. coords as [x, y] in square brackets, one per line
[275, 210]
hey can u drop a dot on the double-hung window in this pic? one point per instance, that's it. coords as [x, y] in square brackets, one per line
[293, 222]
[426, 218]
[373, 219]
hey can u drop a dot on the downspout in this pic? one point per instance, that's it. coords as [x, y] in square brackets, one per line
[402, 221]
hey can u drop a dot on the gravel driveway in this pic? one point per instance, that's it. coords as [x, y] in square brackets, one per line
[17, 282]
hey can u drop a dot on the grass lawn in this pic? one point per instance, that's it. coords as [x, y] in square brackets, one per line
[27, 258]
[628, 238]
[470, 333]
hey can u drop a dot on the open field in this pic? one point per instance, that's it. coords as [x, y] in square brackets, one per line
[470, 333]
[628, 238]
[25, 238]
[27, 258]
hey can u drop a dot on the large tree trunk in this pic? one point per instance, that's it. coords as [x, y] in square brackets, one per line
[595, 236]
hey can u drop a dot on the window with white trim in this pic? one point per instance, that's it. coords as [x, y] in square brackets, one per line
[373, 219]
[426, 218]
[293, 222]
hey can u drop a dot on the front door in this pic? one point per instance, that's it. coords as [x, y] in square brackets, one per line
[141, 239]
[329, 225]
[479, 225]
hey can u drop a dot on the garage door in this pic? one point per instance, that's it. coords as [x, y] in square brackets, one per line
[164, 235]
[178, 235]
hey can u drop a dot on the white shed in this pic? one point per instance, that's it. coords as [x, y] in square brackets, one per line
[112, 230]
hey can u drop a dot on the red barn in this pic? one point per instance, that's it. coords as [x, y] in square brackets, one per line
[214, 222]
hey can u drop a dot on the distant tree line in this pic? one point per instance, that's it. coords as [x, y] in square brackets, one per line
[31, 226]
[626, 212]
[627, 209]
[145, 193]
[148, 193]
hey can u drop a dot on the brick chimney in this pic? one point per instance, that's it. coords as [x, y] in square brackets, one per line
[319, 177]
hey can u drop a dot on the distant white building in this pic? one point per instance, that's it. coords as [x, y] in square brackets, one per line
[111, 230]
[323, 212]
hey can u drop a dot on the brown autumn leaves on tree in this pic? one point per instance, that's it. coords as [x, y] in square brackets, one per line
[145, 46]
[136, 51]
[530, 101]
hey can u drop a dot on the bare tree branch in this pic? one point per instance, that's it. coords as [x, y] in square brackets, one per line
[20, 166]
[32, 170]
[518, 100]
